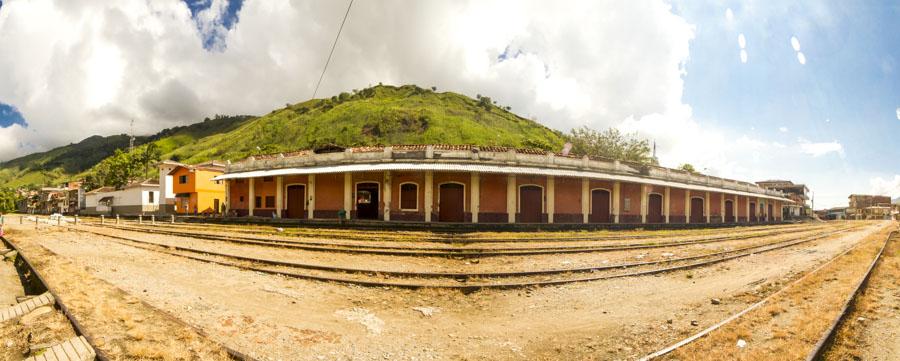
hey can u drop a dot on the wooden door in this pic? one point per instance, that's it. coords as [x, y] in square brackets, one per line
[697, 215]
[769, 213]
[729, 211]
[452, 205]
[752, 215]
[531, 204]
[599, 206]
[296, 201]
[655, 209]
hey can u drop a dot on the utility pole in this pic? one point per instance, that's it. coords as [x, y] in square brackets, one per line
[131, 139]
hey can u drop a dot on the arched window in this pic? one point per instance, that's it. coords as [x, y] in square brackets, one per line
[409, 196]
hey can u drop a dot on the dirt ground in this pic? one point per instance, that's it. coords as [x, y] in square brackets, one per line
[276, 318]
[872, 331]
[10, 286]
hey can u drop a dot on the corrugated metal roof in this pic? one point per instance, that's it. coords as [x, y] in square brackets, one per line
[483, 168]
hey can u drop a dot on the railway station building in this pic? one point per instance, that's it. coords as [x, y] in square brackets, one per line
[458, 183]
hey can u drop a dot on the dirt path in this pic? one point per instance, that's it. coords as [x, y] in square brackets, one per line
[10, 286]
[276, 318]
[121, 325]
[872, 331]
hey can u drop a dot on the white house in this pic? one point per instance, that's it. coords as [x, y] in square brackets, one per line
[167, 195]
[136, 198]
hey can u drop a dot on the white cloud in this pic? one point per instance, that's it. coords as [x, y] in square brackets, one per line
[743, 56]
[80, 68]
[742, 41]
[729, 15]
[795, 43]
[890, 187]
[898, 113]
[821, 148]
[801, 58]
[783, 129]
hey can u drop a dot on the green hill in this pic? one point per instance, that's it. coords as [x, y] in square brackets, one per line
[377, 115]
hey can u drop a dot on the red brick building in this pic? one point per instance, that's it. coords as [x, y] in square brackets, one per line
[444, 183]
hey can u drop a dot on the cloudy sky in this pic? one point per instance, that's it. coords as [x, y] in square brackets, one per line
[806, 91]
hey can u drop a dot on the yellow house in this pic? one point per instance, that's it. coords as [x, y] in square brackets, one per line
[195, 190]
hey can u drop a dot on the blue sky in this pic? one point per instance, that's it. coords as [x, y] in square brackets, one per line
[214, 38]
[848, 90]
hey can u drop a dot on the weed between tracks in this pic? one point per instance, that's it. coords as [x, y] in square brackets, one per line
[787, 327]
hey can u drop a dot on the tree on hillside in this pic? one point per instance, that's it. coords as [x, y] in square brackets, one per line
[122, 168]
[687, 167]
[611, 143]
[8, 200]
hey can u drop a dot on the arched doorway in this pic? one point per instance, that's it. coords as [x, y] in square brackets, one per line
[697, 214]
[367, 200]
[599, 206]
[451, 203]
[655, 208]
[729, 211]
[531, 204]
[296, 201]
[752, 215]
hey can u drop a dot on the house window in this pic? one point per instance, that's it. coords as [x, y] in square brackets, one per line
[257, 202]
[182, 179]
[409, 196]
[627, 206]
[241, 199]
[268, 179]
[270, 201]
[150, 197]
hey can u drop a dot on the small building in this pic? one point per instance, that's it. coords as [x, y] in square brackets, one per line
[833, 214]
[137, 198]
[167, 194]
[195, 190]
[462, 183]
[864, 206]
[53, 200]
[798, 193]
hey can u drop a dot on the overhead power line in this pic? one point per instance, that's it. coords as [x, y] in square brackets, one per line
[334, 45]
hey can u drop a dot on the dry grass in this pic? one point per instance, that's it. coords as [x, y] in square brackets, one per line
[788, 326]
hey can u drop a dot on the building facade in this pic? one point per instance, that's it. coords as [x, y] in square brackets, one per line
[798, 193]
[195, 190]
[447, 183]
[138, 198]
[864, 206]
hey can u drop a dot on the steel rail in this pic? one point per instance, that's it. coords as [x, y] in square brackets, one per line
[827, 338]
[468, 286]
[80, 330]
[752, 307]
[445, 251]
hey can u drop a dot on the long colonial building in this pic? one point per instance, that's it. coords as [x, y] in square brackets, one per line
[451, 183]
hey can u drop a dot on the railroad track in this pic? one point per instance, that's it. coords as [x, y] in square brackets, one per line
[822, 344]
[39, 283]
[469, 252]
[457, 280]
[424, 237]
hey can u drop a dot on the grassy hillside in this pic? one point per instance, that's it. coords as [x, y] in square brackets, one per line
[378, 115]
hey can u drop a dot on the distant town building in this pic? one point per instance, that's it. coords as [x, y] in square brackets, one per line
[167, 195]
[137, 198]
[863, 206]
[195, 190]
[795, 192]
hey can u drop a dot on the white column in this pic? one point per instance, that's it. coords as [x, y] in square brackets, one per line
[227, 196]
[644, 206]
[585, 199]
[311, 196]
[722, 206]
[706, 207]
[279, 195]
[687, 206]
[387, 195]
[429, 194]
[475, 193]
[747, 205]
[251, 193]
[617, 186]
[667, 204]
[348, 193]
[511, 198]
[551, 198]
